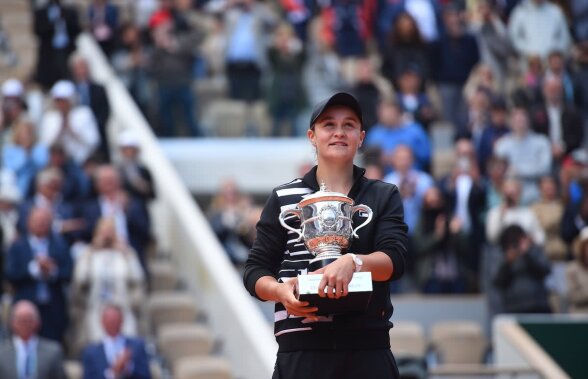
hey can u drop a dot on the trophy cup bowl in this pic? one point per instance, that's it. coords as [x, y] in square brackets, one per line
[326, 225]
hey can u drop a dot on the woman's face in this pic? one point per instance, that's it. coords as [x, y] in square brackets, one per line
[107, 233]
[337, 134]
[406, 26]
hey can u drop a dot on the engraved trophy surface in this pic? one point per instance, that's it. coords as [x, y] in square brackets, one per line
[326, 225]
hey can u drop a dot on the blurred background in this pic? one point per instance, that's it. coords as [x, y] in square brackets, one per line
[140, 138]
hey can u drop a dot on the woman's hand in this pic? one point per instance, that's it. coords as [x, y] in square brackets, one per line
[285, 295]
[336, 277]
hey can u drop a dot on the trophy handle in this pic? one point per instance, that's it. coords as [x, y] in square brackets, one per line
[365, 208]
[295, 212]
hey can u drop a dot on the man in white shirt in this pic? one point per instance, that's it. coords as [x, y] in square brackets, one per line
[528, 154]
[538, 27]
[25, 355]
[72, 126]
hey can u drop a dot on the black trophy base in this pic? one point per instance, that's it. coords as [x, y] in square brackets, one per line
[317, 264]
[357, 299]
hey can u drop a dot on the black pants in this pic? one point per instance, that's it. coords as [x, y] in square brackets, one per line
[372, 364]
[244, 81]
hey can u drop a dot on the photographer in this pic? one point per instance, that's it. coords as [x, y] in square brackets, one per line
[520, 278]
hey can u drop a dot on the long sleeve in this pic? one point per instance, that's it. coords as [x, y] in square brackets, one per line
[391, 234]
[16, 267]
[267, 250]
[537, 263]
[504, 276]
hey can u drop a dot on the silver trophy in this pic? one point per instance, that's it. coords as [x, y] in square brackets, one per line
[326, 225]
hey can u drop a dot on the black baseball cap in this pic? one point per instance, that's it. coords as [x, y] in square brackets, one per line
[341, 98]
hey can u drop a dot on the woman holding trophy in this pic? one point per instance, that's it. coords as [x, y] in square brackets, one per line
[313, 344]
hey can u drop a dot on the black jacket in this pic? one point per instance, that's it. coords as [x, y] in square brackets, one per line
[274, 253]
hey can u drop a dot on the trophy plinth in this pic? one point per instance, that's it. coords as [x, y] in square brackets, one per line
[359, 294]
[327, 231]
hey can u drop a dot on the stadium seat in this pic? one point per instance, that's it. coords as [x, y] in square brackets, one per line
[163, 276]
[176, 341]
[229, 118]
[202, 368]
[458, 342]
[407, 339]
[166, 307]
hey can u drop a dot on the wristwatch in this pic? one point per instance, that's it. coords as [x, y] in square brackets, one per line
[358, 262]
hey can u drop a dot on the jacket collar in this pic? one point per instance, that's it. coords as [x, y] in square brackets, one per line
[310, 179]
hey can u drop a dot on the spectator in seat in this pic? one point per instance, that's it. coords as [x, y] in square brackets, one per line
[246, 23]
[557, 120]
[528, 91]
[287, 97]
[130, 61]
[24, 156]
[170, 65]
[465, 197]
[412, 99]
[509, 212]
[56, 26]
[538, 27]
[76, 184]
[92, 95]
[117, 355]
[438, 246]
[103, 19]
[49, 195]
[228, 216]
[549, 210]
[39, 266]
[520, 277]
[131, 222]
[557, 67]
[528, 154]
[73, 126]
[577, 276]
[393, 130]
[13, 110]
[405, 47]
[411, 182]
[10, 198]
[108, 271]
[496, 175]
[453, 58]
[369, 88]
[27, 355]
[494, 129]
[426, 15]
[495, 46]
[136, 178]
[575, 218]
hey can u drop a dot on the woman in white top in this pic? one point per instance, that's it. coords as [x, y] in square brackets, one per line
[108, 271]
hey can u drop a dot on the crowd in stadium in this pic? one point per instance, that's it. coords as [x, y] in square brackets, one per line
[509, 218]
